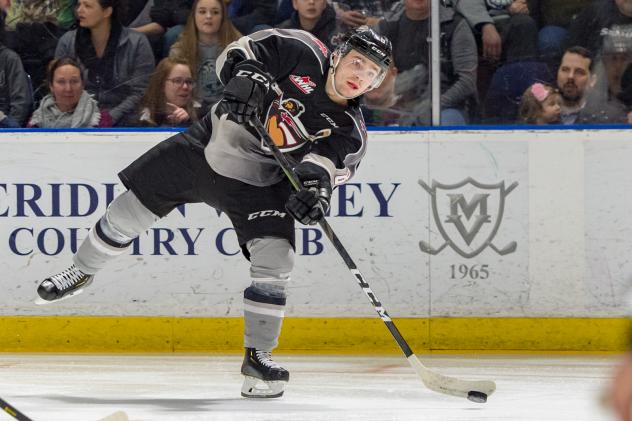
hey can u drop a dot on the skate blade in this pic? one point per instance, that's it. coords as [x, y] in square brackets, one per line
[40, 301]
[257, 388]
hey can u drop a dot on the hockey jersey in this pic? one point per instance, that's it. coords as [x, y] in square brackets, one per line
[301, 119]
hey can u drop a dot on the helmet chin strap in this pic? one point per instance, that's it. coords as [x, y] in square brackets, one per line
[332, 69]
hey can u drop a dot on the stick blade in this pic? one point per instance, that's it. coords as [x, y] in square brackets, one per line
[474, 390]
[117, 416]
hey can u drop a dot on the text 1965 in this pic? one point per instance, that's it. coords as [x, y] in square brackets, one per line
[463, 271]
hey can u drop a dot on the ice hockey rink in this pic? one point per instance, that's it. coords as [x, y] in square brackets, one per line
[194, 387]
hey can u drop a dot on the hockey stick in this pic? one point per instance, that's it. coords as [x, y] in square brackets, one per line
[6, 407]
[117, 416]
[476, 391]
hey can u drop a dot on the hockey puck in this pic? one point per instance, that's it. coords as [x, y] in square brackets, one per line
[478, 397]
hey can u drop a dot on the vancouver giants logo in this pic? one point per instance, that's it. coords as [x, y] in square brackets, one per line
[284, 125]
[303, 83]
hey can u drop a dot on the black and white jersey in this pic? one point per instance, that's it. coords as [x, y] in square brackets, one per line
[302, 120]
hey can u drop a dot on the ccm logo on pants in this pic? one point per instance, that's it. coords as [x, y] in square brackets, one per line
[261, 214]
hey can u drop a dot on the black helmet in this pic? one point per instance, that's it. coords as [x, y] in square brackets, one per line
[368, 42]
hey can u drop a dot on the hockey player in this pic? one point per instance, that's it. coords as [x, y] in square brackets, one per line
[307, 98]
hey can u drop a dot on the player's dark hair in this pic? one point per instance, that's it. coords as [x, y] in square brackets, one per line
[371, 44]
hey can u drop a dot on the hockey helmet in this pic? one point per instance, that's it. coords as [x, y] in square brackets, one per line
[369, 43]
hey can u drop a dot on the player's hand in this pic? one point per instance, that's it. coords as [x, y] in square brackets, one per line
[311, 203]
[353, 18]
[492, 43]
[245, 91]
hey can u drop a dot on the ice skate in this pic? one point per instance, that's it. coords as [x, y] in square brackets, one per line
[264, 378]
[64, 285]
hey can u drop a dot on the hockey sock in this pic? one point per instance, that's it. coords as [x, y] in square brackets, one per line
[271, 261]
[124, 219]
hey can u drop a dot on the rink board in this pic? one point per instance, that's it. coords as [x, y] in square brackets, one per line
[529, 228]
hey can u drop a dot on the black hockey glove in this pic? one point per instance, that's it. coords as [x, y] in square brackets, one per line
[245, 91]
[309, 205]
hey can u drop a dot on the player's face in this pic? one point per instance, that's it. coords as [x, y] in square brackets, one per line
[179, 86]
[573, 76]
[208, 17]
[551, 109]
[90, 13]
[355, 74]
[309, 9]
[67, 87]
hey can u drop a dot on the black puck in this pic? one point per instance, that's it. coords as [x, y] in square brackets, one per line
[478, 397]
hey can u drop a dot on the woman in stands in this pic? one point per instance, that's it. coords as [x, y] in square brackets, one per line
[68, 104]
[207, 32]
[118, 61]
[169, 98]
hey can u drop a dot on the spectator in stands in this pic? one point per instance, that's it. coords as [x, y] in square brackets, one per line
[207, 32]
[118, 61]
[246, 15]
[504, 28]
[409, 36]
[555, 18]
[603, 104]
[540, 104]
[15, 96]
[601, 18]
[379, 106]
[314, 16]
[33, 29]
[574, 80]
[625, 96]
[169, 98]
[353, 13]
[166, 21]
[68, 104]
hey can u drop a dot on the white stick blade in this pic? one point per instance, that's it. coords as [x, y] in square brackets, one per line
[117, 416]
[475, 390]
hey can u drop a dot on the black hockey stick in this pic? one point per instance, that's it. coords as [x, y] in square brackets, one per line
[476, 391]
[9, 409]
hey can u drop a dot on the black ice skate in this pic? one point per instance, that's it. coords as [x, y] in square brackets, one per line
[264, 378]
[63, 285]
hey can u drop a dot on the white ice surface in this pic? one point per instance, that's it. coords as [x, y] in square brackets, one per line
[53, 387]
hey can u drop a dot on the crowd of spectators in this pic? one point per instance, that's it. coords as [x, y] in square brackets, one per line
[100, 63]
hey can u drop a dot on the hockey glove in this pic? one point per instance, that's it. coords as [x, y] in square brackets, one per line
[311, 203]
[245, 91]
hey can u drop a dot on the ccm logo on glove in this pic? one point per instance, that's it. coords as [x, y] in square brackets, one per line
[257, 77]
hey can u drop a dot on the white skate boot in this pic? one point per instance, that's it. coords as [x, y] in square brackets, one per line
[264, 378]
[63, 285]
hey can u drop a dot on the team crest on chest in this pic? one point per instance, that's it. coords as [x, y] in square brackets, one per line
[303, 83]
[284, 125]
